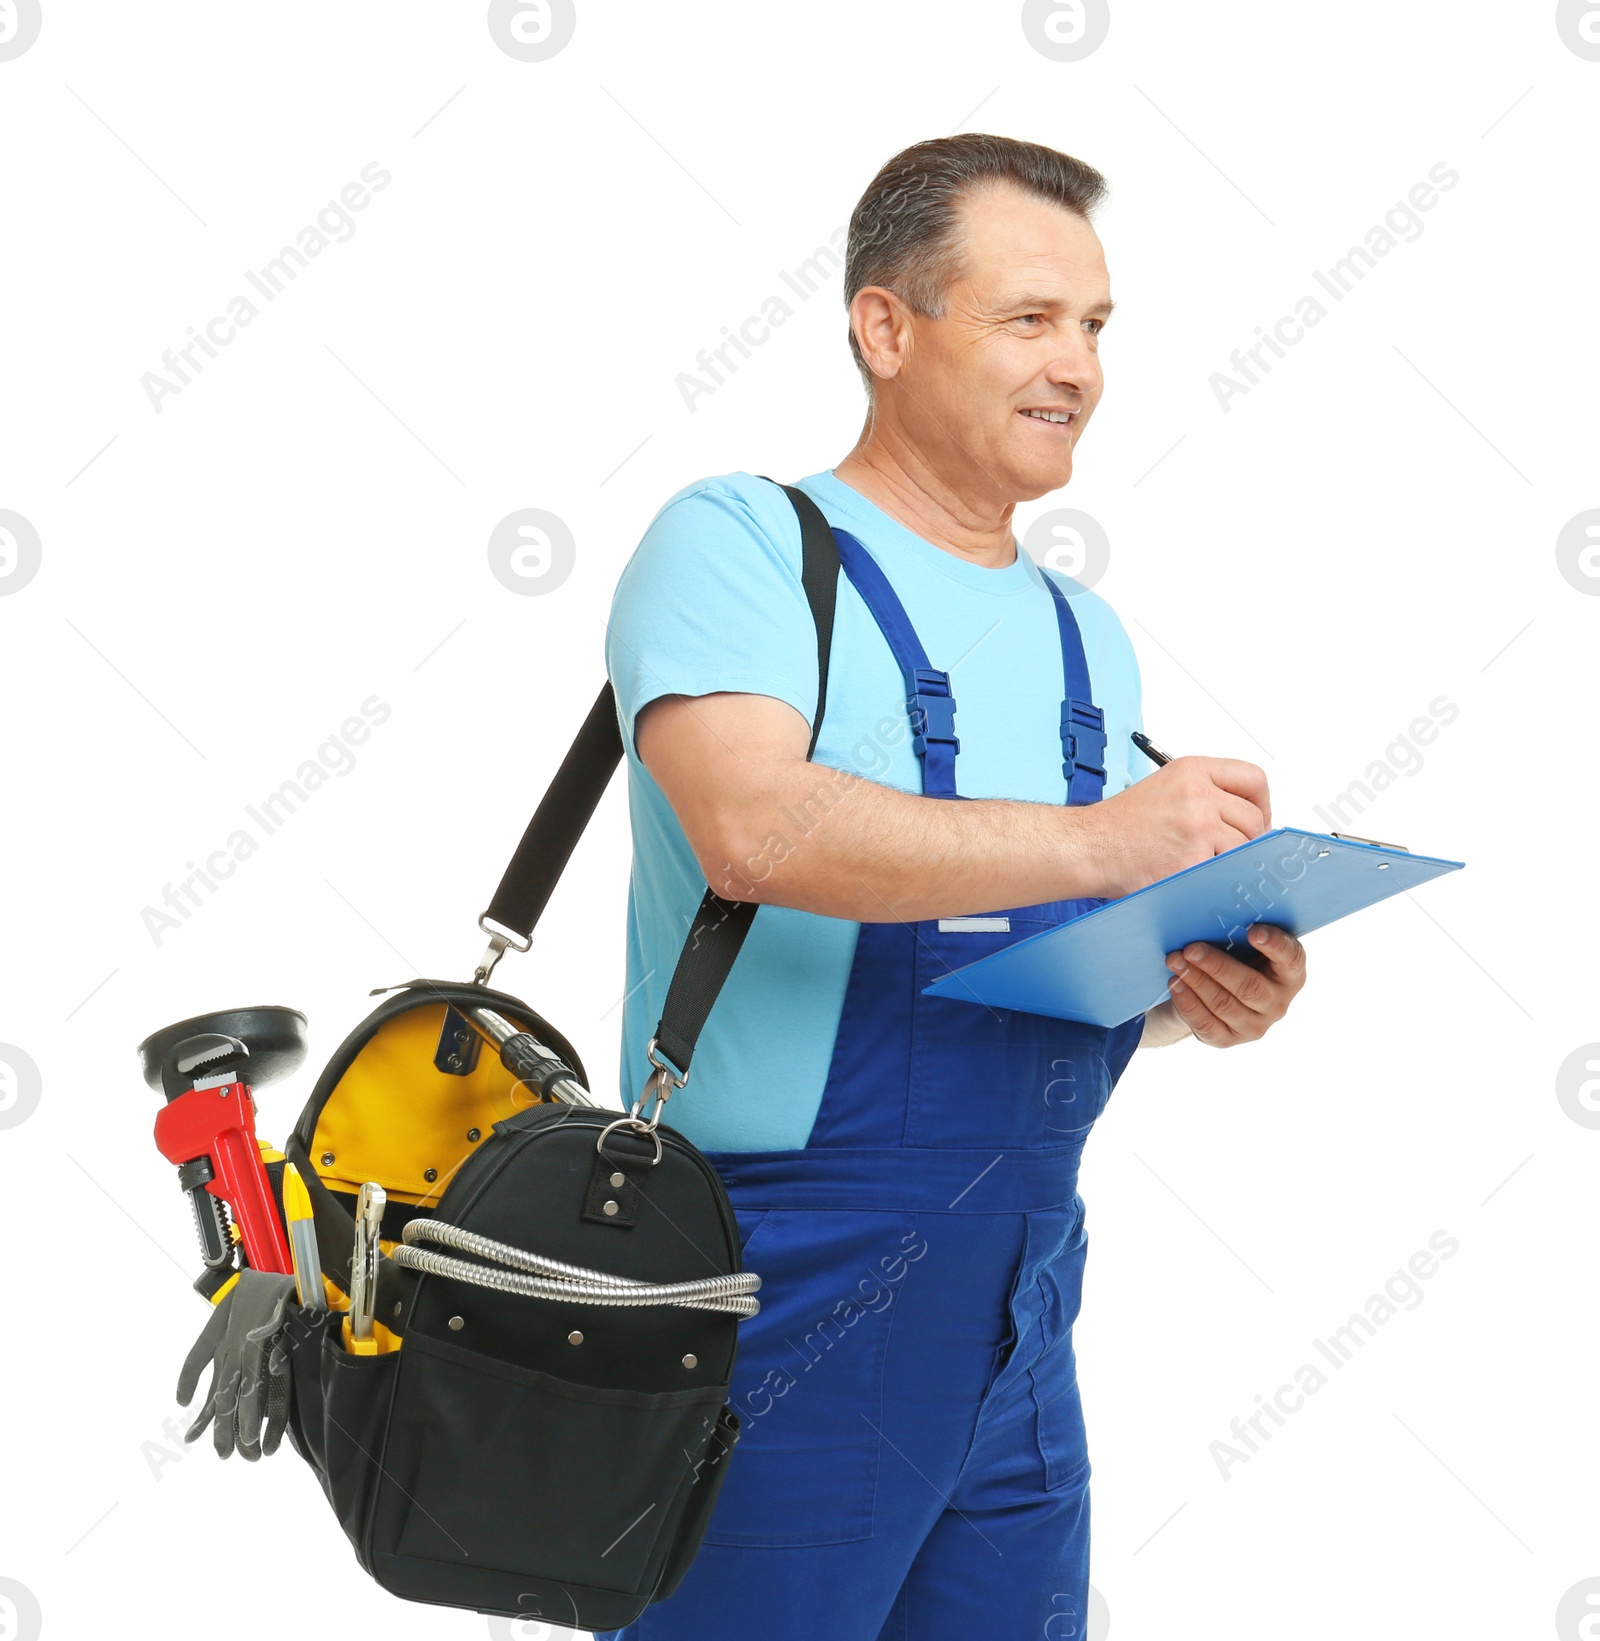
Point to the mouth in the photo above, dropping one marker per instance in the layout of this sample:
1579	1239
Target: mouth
1061	421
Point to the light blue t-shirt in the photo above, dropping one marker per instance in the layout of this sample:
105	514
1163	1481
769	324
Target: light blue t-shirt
712	600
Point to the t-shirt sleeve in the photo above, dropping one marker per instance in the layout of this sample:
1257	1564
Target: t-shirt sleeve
712	600
1138	765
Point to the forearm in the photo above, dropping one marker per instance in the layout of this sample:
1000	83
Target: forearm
1163	1026
823	840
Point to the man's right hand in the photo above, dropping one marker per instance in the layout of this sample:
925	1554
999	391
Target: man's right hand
1183	813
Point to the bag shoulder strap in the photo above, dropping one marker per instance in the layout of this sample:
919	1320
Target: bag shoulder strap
564	811
720	925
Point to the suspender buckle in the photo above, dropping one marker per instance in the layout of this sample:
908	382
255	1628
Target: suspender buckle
1083	738
932	709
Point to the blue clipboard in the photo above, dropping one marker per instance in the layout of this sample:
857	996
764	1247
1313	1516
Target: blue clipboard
1111	964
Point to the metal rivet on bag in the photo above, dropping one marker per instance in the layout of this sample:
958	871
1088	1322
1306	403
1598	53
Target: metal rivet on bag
608	1207
690	1360
430	1174
619	1179
457	1323
574	1338
474	1134
400	1305
327	1159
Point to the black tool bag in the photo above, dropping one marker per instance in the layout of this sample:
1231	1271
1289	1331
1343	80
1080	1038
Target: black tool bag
528	1444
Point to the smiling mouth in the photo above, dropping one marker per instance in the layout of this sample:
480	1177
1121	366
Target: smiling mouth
1063	419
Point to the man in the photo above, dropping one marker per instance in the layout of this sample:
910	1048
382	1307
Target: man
904	1168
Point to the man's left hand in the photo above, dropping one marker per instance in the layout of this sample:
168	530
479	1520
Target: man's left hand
1224	1001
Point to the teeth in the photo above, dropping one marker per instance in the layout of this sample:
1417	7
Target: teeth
1050	415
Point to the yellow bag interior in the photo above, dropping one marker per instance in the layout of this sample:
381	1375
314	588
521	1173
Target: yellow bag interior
393	1115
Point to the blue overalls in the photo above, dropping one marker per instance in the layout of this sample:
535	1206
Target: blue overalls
913	1463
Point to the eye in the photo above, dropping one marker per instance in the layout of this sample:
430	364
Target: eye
1099	325
1030	318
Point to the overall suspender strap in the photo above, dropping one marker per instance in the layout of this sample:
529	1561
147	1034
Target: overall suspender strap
1083	724
931	706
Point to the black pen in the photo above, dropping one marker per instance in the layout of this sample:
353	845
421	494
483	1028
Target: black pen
1149	748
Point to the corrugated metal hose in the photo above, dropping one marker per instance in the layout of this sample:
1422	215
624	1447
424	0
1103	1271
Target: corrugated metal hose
514	1270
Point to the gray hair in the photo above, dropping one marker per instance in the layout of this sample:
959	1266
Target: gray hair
905	232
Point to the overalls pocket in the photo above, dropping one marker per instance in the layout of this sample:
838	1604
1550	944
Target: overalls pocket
808	1381
1063	1444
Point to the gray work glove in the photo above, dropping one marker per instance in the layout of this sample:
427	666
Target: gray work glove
250	1367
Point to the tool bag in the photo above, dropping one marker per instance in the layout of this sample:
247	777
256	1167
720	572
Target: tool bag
536	1432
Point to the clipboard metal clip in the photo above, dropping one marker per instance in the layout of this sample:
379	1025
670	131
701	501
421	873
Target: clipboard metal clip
1350	837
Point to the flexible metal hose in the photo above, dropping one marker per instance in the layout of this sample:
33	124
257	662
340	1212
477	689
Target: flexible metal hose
502	1253
537	1277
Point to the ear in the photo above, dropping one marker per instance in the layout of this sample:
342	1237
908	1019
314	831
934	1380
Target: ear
882	326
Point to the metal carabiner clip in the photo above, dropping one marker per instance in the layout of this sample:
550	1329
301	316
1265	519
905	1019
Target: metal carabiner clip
500	940
655	1093
657	1089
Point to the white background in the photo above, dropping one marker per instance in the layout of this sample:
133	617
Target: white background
1371	527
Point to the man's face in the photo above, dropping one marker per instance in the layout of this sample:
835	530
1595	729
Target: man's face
1020	335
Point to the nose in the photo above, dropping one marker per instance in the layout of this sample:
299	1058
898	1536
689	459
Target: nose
1076	365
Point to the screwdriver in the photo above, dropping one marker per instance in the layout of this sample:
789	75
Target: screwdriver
303	1240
